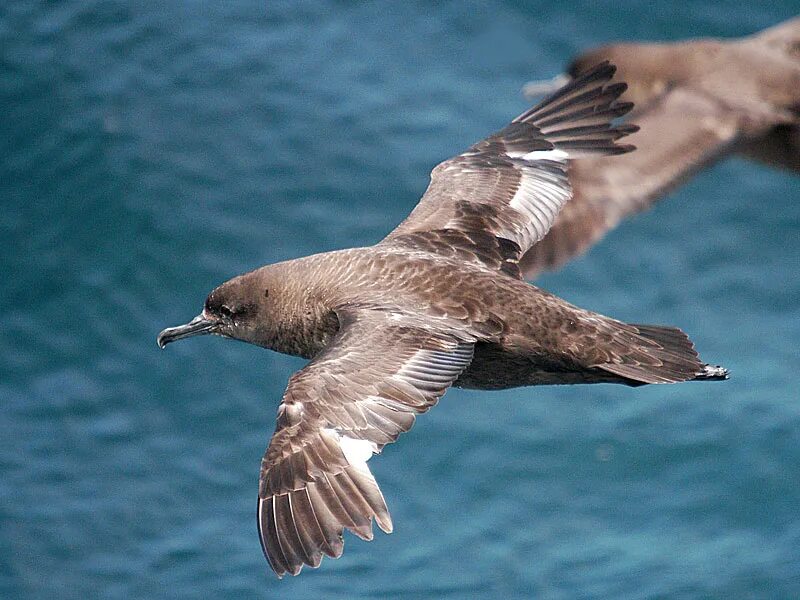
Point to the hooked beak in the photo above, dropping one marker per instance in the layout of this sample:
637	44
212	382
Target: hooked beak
197	326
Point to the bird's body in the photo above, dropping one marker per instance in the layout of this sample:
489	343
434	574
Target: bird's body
524	335
440	301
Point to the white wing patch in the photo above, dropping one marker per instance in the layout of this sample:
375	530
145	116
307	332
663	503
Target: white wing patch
356	451
554	154
539	198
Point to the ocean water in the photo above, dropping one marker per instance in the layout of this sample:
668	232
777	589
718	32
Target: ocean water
150	151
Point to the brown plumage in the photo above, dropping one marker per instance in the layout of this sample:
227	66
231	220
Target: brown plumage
696	101
439	302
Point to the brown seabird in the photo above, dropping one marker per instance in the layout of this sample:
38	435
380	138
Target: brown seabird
696	102
440	301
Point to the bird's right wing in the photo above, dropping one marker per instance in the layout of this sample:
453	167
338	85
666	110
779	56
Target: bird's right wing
357	395
679	133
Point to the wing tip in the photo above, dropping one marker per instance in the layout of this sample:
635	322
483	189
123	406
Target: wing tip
621	149
582	111
599	76
604	70
285	556
384	521
295	569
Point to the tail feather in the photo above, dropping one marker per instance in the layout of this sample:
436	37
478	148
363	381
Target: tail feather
666	356
713	373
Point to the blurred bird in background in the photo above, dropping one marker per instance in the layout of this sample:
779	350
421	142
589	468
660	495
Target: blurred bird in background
696	101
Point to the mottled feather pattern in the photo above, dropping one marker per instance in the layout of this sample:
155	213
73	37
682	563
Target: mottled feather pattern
366	387
466	246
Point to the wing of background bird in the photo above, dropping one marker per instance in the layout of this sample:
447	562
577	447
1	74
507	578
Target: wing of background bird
679	133
493	202
359	394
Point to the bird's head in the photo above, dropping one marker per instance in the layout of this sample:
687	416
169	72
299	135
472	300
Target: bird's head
239	308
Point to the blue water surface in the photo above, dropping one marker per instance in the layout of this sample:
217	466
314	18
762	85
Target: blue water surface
151	150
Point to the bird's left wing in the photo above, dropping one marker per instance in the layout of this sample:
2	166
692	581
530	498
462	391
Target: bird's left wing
493	202
680	133
357	395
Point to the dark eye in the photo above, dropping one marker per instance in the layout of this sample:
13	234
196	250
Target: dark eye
266	293
225	311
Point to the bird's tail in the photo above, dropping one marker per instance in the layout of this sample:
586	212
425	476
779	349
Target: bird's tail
667	356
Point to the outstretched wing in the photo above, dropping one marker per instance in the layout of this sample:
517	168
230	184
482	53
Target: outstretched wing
501	196
359	394
680	133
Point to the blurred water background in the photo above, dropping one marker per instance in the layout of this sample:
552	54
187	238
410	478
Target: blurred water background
150	151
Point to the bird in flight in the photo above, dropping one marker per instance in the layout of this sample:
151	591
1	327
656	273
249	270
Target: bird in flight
697	101
440	302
